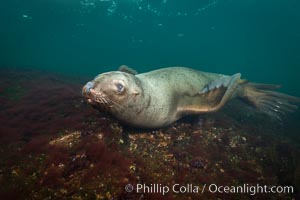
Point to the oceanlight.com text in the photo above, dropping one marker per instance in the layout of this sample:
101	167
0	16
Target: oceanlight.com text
211	188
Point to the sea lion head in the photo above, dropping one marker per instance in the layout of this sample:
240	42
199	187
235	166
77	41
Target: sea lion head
115	92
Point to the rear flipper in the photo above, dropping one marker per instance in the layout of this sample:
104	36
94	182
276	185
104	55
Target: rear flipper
268	101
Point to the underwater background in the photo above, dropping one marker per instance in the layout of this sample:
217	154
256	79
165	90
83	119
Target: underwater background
260	39
55	146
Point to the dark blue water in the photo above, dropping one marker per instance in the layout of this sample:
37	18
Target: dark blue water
260	39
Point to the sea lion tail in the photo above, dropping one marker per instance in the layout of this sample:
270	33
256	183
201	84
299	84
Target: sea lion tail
268	101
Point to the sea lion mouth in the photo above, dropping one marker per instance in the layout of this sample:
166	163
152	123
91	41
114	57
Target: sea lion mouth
94	97
98	97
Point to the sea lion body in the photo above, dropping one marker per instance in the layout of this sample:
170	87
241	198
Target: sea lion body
156	99
166	89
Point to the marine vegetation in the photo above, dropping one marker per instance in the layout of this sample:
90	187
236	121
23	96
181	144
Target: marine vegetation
53	145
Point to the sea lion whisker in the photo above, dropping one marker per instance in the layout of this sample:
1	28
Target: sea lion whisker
99	99
105	101
120	107
115	104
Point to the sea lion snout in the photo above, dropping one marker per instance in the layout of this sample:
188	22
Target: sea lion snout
86	90
93	96
88	87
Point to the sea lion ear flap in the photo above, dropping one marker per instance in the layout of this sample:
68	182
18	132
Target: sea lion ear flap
126	69
135	92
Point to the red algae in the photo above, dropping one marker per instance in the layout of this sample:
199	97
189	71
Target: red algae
53	145
57	155
52	177
96	151
37	145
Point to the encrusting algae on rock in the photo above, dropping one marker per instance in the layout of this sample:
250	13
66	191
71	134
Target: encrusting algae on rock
68	150
67	140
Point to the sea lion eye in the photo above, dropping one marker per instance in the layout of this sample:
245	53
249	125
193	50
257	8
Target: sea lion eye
120	87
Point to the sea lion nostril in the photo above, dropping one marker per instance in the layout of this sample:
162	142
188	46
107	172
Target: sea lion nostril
89	86
86	90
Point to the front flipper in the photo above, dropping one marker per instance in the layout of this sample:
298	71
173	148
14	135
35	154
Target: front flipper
211	98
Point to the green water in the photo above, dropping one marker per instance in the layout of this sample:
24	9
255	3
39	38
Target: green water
260	39
55	145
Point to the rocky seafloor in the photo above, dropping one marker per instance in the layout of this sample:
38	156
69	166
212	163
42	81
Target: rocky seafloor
53	145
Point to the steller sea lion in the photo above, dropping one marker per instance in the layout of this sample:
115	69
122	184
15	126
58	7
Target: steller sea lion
160	97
